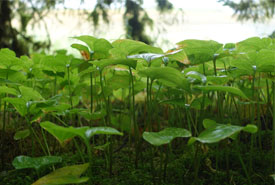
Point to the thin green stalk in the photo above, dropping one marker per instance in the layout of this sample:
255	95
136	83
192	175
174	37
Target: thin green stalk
252	116
133	104
91	92
152	165
70	91
136	131
108	118
196	165
161	164
104	98
4	127
45	141
258	114
90	154
243	165
273	116
168	151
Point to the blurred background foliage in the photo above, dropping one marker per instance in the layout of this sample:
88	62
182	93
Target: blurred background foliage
136	19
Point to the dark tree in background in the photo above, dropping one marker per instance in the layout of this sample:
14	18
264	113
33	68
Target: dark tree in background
256	10
33	12
15	37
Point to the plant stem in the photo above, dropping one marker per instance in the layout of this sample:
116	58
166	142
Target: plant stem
91	92
244	166
69	82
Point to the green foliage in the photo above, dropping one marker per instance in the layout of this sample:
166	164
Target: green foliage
143	93
65	175
165	136
23	162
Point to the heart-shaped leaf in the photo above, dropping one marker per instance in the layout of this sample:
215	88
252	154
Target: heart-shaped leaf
22	134
200	51
23	162
65	175
215	132
165	136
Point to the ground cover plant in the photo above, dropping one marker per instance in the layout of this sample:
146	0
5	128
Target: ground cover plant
130	113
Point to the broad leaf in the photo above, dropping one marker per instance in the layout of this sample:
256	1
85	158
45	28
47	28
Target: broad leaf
89	40
196	75
19	104
9	59
253	44
165	136
124	47
7	90
218	133
65	175
22	134
63	133
29	93
23	162
102	130
199	51
215	132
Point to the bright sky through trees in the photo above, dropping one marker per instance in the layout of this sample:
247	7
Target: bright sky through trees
202	19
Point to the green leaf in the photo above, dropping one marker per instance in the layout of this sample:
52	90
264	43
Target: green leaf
64	133
80	47
196	75
178	55
255	61
107	62
165	136
7	90
167	74
200	51
218	133
30	94
118	81
101	49
89	40
265	60
13	75
19	104
22	134
254	44
250	128
65	175
208	123
232	90
218	80
56	108
102	130
125	47
9	59
146	56
23	162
